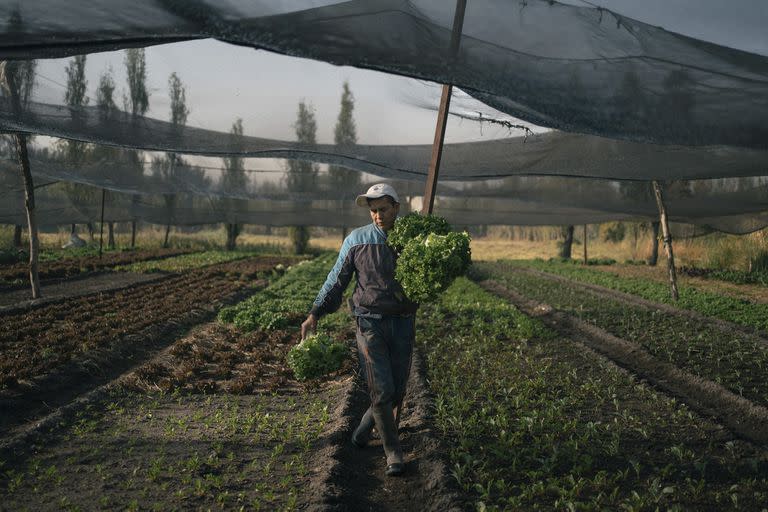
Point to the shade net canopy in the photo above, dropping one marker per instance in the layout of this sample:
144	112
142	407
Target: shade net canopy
550	93
581	67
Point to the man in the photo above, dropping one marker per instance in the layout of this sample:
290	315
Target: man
385	318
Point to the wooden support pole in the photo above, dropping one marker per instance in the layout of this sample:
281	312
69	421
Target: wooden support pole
101	226
585	244
9	80
442	116
667	239
29	204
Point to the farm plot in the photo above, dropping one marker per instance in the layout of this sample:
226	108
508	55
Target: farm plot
214	421
63	267
537	421
731	357
753	314
54	352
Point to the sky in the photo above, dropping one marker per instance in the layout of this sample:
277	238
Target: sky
224	82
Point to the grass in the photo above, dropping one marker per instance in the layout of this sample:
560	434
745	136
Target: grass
543	425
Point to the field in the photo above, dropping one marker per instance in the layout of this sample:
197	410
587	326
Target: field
151	380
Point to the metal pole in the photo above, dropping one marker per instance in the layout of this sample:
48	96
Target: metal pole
101	228
442	116
585	244
667	240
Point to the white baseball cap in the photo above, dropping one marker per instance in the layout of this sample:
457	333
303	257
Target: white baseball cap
375	192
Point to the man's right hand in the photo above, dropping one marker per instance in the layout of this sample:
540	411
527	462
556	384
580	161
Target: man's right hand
309	326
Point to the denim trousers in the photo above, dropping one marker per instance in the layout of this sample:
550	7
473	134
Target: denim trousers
384	347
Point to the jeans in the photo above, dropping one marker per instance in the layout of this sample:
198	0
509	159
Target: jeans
384	348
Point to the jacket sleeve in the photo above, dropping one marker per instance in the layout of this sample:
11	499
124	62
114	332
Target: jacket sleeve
331	294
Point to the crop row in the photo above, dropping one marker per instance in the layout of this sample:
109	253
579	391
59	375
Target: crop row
66	267
286	301
736	360
535	422
707	303
185	262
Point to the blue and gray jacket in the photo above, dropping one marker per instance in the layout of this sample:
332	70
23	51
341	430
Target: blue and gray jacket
365	252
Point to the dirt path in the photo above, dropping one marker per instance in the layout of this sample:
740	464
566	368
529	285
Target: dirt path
741	416
356	480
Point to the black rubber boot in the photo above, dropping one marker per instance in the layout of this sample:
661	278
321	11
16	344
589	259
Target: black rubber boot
362	433
385	423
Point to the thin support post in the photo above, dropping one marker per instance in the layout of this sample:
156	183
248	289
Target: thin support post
101	227
585	244
437	151
442	116
667	239
29	204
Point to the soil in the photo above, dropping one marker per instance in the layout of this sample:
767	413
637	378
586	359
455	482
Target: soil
743	417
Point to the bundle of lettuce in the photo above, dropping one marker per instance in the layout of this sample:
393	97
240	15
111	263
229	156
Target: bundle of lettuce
316	356
431	255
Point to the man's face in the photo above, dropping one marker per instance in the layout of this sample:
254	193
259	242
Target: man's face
383	212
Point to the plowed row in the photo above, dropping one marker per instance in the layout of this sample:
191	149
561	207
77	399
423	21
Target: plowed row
38	340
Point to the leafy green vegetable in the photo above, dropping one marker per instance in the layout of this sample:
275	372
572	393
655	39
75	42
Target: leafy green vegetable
429	264
431	255
316	356
413	225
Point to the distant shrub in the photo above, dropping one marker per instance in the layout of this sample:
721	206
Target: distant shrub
601	261
615	233
759	262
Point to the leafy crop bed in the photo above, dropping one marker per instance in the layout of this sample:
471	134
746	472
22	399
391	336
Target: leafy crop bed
184	262
538	422
715	305
732	358
175	451
216	421
18	273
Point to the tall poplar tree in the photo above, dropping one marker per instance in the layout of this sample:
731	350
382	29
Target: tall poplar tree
137	103
345	137
105	102
174	163
74	152
302	175
234	179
